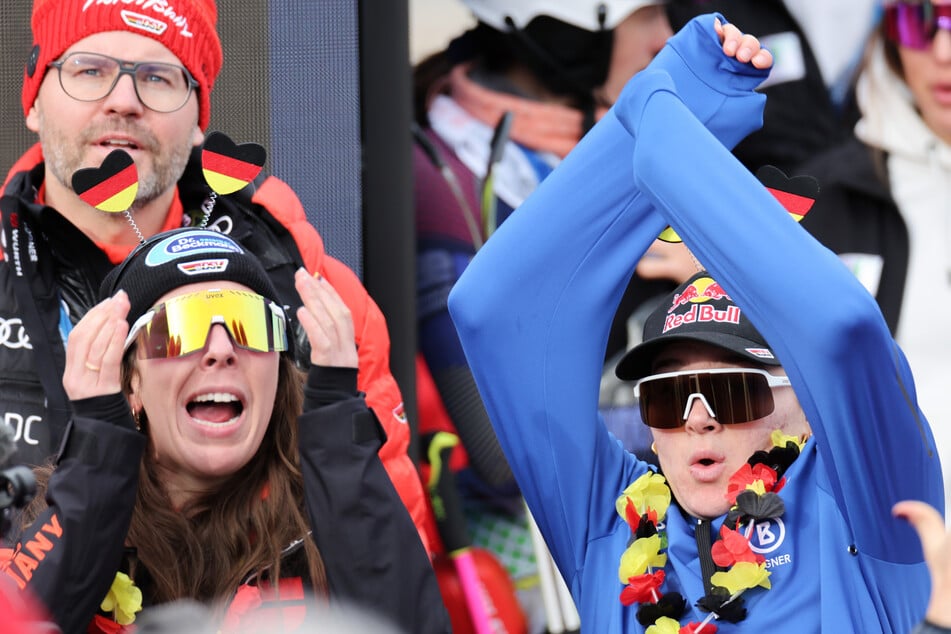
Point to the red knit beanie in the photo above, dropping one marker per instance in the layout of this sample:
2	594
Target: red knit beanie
185	27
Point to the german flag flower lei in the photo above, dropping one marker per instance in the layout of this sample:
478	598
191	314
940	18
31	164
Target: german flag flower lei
753	492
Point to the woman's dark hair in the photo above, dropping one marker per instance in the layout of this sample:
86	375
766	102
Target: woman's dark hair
207	549
892	58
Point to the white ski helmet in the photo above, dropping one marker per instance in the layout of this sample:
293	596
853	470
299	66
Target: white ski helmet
591	16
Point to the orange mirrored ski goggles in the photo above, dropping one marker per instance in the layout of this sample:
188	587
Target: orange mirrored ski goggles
181	325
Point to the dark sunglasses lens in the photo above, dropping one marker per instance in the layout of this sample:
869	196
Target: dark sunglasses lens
738	397
660	401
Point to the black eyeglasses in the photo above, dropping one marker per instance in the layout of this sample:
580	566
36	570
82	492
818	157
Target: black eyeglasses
731	395
159	86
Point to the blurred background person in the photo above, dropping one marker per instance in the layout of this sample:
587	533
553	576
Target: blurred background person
885	197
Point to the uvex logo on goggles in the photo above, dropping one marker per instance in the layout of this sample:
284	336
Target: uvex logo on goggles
181	325
914	24
730	395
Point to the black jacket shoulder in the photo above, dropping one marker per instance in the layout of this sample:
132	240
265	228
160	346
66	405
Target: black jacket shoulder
855	214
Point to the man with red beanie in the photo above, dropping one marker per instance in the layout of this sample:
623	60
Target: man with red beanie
57	248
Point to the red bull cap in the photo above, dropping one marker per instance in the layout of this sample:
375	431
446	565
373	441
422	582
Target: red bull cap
698	310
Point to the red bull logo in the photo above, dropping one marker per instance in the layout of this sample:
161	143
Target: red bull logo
703	313
701	290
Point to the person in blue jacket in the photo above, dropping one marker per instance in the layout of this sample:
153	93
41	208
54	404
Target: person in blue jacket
779	461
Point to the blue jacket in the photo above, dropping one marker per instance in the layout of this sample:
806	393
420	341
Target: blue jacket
533	312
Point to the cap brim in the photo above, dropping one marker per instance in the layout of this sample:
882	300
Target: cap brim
637	362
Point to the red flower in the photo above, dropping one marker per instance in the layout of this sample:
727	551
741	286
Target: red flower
643	588
779	486
746	476
696	628
246	599
104	625
731	548
634	520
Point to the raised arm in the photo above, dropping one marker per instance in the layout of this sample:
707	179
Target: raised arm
68	556
534	307
368	542
851	379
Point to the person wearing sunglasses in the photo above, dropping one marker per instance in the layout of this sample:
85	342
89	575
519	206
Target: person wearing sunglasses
884	201
139	77
783	412
199	464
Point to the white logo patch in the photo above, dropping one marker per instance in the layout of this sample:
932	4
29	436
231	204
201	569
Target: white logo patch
768	535
13	334
143	22
149	23
22	427
202	267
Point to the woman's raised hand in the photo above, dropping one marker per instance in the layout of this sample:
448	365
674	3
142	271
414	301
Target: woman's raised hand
327	321
95	348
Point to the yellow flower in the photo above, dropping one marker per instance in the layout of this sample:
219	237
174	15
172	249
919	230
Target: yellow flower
648	491
780	439
123	599
756	486
639	555
742	576
663	625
